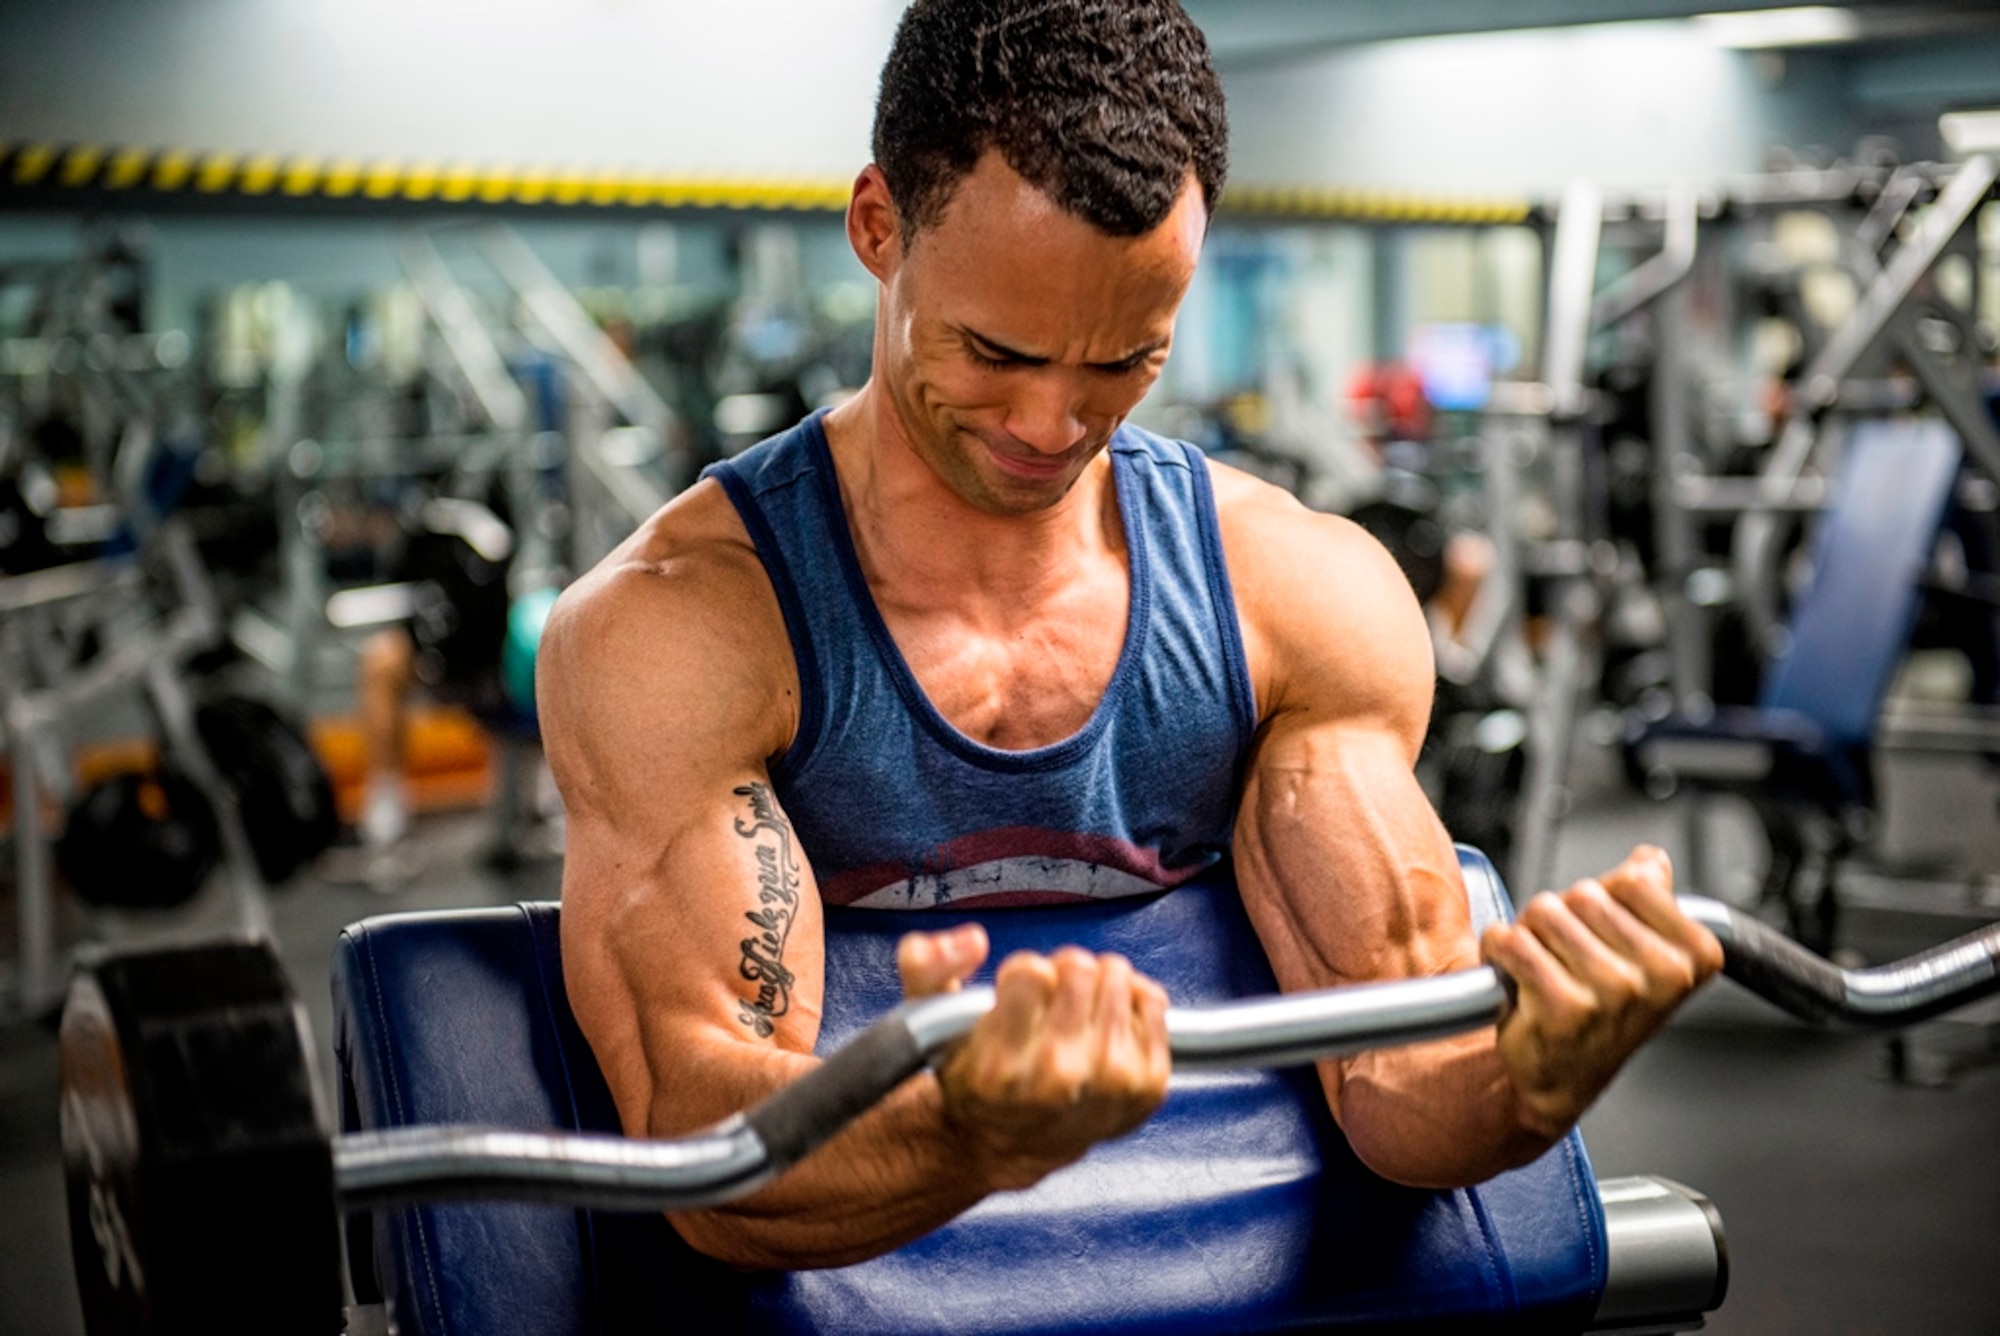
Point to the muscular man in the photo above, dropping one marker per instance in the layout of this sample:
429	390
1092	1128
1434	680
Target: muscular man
972	638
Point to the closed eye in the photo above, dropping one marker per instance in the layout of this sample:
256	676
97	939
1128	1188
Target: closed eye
991	356
1003	363
1127	366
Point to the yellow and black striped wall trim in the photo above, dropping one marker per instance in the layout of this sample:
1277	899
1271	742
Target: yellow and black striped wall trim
1348	204
69	175
55	173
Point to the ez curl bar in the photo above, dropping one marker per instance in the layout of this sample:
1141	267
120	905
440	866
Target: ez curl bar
187	1093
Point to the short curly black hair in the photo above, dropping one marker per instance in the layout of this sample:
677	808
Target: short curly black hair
1105	105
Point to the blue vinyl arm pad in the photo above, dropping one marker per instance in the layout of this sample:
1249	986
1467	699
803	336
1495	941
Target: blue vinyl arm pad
1238	1207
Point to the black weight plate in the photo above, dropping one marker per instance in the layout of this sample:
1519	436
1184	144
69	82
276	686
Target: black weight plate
281	787
201	1193
139	841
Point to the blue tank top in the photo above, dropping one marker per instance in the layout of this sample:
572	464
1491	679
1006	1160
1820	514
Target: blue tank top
897	809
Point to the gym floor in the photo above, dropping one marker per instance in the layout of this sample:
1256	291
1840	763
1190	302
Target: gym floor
1855	1204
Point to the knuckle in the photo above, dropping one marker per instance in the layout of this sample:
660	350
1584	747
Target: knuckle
1562	1021
1067	1078
1584	888
985	1076
1613	991
1073	957
1116	973
1026	969
1023	962
1683	974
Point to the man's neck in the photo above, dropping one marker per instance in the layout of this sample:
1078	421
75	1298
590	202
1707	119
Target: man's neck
914	533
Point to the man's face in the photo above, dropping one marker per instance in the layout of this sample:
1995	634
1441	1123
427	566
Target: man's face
1017	337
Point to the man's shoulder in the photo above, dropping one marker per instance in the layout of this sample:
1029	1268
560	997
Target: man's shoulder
1324	608
682	605
692	554
776	462
1269	534
1280	552
1258	520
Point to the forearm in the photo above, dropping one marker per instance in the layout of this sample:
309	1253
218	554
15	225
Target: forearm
1349	878
893	1175
1436	1115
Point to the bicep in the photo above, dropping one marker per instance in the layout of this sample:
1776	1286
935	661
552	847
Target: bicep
691	927
1346	872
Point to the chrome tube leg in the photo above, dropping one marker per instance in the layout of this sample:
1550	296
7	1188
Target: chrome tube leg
1551	734
1694	844
248	896
36	907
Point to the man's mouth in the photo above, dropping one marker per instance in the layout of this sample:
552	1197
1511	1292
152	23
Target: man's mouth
1036	468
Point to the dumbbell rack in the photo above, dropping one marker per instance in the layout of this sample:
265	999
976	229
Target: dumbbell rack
45	682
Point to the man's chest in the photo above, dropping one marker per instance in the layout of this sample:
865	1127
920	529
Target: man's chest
1016	681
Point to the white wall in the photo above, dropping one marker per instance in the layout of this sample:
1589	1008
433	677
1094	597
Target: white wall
779	87
1633	104
786	87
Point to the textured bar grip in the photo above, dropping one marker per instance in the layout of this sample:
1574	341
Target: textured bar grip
1780	971
792	1122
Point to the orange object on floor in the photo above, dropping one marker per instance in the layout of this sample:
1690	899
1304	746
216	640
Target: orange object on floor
447	760
448	764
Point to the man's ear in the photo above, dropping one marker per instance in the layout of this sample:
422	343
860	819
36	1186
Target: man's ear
874	228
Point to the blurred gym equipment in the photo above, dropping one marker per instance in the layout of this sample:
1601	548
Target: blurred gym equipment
71	638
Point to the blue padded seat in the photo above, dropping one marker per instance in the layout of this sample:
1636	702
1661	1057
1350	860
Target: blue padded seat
1802	753
1238	1207
1816	714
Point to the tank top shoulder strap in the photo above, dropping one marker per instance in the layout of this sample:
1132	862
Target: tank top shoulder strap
779	487
1190	594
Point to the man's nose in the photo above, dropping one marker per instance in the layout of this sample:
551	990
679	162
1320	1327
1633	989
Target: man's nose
1046	413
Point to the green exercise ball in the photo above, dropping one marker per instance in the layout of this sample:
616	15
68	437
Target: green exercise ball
525	619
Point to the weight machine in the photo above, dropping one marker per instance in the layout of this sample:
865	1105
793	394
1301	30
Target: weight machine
72	638
1906	222
1548	436
107	600
560	433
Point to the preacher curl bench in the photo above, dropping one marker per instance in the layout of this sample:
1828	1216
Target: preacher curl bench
1238	1207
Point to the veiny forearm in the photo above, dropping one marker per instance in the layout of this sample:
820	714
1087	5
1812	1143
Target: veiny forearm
896	1173
1436	1115
1349	878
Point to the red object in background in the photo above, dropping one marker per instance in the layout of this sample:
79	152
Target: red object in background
1387	399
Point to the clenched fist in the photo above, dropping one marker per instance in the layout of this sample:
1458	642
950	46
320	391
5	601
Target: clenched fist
1074	1052
1600	967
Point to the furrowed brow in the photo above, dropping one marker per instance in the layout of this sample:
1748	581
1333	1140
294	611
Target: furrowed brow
992	347
988	346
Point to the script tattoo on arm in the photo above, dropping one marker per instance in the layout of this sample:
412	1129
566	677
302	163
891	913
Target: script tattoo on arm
763	961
